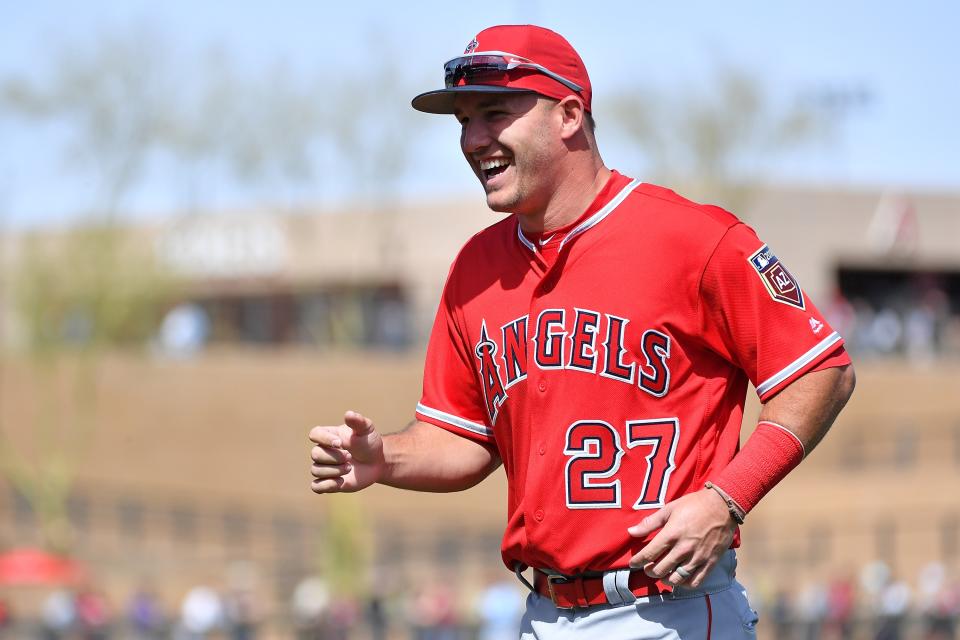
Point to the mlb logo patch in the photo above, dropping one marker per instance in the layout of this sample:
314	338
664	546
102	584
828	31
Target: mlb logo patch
778	281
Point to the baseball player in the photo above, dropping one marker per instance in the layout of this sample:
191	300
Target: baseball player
598	342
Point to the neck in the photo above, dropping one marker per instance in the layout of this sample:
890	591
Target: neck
574	192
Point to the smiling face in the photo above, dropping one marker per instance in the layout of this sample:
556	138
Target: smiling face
511	141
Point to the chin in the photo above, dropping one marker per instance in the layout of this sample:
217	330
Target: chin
501	202
499	207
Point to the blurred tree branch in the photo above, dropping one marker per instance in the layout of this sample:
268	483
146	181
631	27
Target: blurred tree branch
114	101
714	144
78	295
127	107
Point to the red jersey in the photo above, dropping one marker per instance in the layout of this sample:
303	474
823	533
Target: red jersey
610	373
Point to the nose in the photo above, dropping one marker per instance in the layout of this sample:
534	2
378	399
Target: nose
474	136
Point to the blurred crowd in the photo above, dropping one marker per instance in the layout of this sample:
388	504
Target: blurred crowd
914	321
872	604
315	611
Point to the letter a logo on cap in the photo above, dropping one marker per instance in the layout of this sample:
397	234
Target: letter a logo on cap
471	47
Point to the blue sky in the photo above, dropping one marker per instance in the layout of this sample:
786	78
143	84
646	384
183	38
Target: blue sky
904	54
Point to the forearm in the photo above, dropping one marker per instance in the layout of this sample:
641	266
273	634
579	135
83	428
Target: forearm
424	457
809	406
791	424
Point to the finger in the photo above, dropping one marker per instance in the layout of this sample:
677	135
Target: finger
667	565
651	523
654	550
326	437
676	577
361	425
651	554
329	455
326	486
322	471
701	573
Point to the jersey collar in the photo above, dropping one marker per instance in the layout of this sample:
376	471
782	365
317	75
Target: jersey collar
589	222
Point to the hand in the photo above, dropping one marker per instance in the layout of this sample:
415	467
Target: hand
696	530
348	457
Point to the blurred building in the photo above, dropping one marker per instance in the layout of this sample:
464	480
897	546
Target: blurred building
196	462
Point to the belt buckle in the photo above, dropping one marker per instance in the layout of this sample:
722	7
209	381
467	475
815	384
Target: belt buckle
554	578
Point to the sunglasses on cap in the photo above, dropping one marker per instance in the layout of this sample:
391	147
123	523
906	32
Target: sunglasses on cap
489	66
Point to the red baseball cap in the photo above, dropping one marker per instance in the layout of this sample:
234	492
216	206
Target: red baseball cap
511	58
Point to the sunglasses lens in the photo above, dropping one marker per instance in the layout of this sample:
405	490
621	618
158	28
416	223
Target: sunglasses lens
474	70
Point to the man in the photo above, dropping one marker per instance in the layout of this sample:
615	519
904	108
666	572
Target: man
598	343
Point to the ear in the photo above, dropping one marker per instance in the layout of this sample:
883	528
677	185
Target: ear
572	114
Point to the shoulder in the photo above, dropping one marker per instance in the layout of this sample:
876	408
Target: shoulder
665	222
671	207
484	256
499	236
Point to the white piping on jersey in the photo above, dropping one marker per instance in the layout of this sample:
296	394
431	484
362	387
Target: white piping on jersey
798	364
603	213
524	240
456	421
590	222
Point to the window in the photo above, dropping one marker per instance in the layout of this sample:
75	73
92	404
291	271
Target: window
449	549
78	511
130	515
885	536
950	538
896	312
366	316
236	528
22	509
184	523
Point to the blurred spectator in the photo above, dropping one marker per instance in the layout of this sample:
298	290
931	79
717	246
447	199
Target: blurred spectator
781	615
913	319
311	598
242	608
841	606
184	331
941	619
500	608
342	617
241	613
873	578
939	603
93	614
59	614
434	615
920	333
894	603
841	314
6	618
885	331
811	610
200	614
376	616
145	616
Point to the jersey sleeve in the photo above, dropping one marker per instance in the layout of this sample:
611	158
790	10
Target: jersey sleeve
451	396
754	313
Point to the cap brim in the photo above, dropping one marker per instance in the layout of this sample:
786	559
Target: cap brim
441	100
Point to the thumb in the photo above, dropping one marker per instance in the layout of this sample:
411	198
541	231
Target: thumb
358	423
651	523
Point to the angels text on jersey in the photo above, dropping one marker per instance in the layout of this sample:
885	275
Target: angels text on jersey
562	339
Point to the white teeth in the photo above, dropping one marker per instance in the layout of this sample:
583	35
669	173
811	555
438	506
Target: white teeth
486	165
